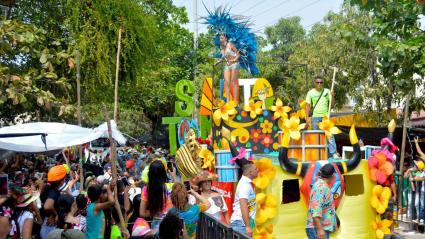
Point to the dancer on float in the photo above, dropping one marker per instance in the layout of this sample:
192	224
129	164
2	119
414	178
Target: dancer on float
230	57
236	47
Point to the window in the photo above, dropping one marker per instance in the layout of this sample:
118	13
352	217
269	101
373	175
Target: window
354	184
290	191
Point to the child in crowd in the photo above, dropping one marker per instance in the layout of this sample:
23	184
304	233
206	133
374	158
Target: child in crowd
95	217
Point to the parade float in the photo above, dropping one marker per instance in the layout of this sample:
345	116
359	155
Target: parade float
263	129
287	157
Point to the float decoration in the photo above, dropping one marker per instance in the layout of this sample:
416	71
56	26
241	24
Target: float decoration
266	207
380	198
208	159
382	227
224	111
302	112
265	232
254	108
329	127
266	172
280	110
293	127
187	156
379	168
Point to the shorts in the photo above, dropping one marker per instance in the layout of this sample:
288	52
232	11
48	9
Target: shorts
232	66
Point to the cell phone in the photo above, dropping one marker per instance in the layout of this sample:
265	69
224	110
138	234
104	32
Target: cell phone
125	181
170	166
187	185
4	185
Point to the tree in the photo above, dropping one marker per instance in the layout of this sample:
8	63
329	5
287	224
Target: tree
398	40
156	53
33	71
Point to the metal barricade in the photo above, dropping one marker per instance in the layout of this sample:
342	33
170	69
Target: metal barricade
211	228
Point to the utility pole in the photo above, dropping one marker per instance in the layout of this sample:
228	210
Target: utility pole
80	147
195	114
117	69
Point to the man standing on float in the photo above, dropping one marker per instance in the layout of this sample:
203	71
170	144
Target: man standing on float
317	107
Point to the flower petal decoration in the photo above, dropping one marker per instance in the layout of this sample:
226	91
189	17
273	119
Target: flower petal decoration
265	232
382	227
266	207
380	168
208	159
380	197
266	172
329	127
301	112
266	126
293	127
254	108
280	110
241	155
224	111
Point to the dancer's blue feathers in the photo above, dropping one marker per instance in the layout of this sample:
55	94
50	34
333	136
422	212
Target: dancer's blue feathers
238	32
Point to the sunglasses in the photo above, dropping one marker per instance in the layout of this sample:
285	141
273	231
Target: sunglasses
319	82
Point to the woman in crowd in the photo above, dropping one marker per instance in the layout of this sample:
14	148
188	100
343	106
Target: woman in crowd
156	195
81	202
66	214
26	213
189	213
218	208
49	198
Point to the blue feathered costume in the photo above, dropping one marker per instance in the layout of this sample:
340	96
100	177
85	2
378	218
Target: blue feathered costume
238	32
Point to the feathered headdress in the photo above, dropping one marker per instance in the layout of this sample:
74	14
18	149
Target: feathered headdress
238	32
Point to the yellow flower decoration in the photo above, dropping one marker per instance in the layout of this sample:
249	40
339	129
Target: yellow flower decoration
264	232
224	111
266	207
254	108
293	127
280	110
380	197
209	160
267	127
266	172
301	112
381	227
329	127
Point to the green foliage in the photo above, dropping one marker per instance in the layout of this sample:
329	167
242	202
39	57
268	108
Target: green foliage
156	52
399	43
33	71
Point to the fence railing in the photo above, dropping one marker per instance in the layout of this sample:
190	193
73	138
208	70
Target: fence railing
211	228
412	205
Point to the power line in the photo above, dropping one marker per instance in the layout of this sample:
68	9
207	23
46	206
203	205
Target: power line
255	5
278	5
237	3
289	14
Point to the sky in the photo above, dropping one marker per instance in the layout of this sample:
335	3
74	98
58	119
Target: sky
264	13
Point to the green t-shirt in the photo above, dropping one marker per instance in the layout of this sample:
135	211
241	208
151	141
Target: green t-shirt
323	105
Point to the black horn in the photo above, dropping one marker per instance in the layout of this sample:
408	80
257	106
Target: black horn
291	165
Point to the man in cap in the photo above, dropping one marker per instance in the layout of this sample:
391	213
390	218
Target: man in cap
321	217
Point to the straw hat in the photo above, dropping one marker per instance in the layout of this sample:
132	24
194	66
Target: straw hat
26	199
204	176
420	165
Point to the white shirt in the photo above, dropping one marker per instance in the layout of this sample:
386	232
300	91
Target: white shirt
218	205
22	218
244	190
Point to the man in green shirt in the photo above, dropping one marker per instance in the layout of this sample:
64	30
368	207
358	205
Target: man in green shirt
317	100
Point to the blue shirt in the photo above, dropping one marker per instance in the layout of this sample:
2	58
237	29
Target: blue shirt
95	228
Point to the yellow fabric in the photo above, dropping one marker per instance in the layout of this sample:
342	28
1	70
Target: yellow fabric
368	120
355	212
